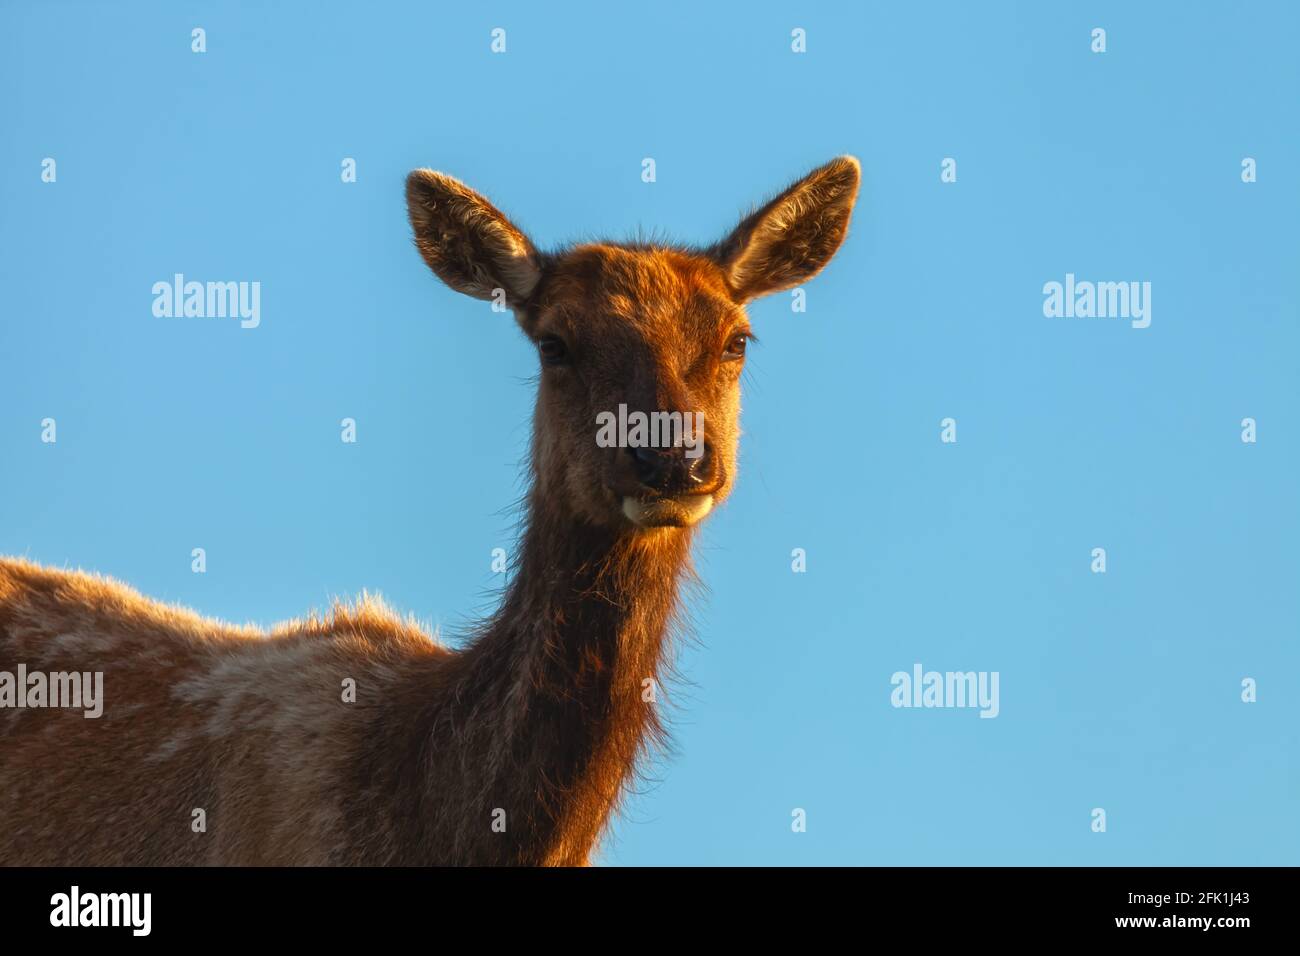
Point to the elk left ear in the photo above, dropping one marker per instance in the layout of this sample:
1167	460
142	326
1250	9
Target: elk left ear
792	238
467	241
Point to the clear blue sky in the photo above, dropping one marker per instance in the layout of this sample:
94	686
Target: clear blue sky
1120	691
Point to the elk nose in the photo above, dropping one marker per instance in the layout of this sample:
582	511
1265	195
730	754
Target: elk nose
671	469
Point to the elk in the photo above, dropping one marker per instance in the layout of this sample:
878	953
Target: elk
514	750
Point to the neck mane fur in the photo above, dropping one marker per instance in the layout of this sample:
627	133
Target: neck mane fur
544	714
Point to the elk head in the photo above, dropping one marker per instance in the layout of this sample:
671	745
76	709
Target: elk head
628	333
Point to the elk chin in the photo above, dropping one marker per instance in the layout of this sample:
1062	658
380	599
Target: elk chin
679	512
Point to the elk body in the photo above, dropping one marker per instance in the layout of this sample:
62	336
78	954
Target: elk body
514	750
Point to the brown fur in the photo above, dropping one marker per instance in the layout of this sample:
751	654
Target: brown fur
543	715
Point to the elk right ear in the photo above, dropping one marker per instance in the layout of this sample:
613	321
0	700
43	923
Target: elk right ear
467	241
792	238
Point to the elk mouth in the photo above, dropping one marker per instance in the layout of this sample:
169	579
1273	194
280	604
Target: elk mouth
667	511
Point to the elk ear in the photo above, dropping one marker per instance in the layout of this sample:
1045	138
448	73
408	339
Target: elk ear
790	239
467	241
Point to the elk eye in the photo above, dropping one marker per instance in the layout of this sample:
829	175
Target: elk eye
552	350
736	347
